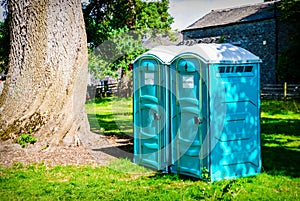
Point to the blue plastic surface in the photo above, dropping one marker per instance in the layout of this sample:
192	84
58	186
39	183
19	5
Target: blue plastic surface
188	122
149	113
197	111
236	140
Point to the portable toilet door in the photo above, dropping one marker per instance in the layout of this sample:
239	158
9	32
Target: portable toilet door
188	114
150	107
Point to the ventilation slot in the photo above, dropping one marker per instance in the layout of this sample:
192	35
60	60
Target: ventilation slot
248	69
235	69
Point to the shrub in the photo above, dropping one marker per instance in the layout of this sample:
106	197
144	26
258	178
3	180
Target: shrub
24	139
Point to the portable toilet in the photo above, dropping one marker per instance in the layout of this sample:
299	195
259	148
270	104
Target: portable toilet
151	107
215	112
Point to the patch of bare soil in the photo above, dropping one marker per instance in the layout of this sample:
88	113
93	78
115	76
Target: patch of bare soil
11	153
94	149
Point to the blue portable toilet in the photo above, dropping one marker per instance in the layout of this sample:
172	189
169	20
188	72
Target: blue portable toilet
151	107
215	112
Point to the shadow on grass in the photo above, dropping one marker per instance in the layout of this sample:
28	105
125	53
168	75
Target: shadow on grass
109	126
106	125
281	146
173	177
281	161
121	151
102	101
280	126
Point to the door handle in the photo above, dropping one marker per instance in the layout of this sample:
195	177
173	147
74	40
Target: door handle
156	116
197	120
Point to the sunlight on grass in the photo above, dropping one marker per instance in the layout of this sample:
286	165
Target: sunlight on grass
127	167
123	180
280	140
288	115
280	135
110	182
279	180
110	116
273	107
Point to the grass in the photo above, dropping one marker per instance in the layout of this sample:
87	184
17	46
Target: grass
111	116
280	134
123	180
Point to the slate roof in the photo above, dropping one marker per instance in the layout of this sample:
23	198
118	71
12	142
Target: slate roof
162	40
235	15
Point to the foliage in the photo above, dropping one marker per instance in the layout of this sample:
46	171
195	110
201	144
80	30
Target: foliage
116	53
115	30
288	63
99	67
222	39
117	27
104	17
153	15
205	174
24	139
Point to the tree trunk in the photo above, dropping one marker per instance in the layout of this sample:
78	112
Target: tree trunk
47	79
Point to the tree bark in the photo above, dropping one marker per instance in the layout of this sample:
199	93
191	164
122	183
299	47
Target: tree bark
47	79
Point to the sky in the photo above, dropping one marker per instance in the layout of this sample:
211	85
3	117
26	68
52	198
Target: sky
186	12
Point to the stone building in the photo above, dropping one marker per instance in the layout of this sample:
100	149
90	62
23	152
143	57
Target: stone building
256	28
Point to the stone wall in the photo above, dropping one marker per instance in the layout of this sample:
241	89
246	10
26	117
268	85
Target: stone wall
258	37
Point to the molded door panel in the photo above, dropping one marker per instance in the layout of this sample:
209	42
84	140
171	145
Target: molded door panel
187	117
149	104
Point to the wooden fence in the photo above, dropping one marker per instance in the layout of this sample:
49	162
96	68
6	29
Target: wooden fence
268	91
280	91
103	90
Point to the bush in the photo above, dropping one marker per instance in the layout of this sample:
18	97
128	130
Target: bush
24	139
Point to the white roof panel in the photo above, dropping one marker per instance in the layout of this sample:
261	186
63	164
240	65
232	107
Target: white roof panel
222	53
209	53
164	53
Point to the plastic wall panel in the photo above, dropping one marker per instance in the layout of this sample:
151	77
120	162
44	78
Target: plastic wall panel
236	141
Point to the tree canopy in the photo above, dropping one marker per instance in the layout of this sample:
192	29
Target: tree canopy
115	30
116	26
288	63
104	17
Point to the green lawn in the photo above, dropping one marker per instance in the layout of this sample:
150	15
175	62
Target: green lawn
280	134
111	116
123	180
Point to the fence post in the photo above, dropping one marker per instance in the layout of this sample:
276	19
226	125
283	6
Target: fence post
285	90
